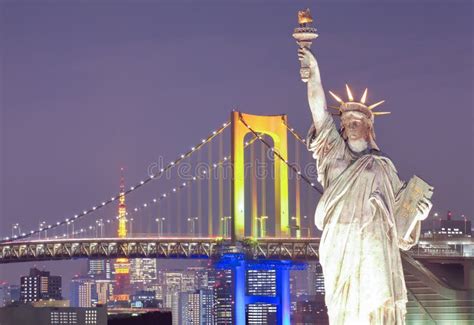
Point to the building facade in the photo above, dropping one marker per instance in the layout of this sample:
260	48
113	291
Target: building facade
28	314
40	285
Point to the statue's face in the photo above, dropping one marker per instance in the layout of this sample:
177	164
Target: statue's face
356	128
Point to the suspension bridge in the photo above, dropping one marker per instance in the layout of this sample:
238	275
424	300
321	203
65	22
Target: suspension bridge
214	206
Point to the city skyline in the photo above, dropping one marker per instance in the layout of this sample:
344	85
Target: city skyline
90	88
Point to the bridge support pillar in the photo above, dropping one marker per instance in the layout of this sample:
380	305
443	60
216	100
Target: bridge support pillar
469	274
278	299
273	126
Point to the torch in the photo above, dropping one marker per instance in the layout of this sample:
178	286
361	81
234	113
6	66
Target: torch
304	36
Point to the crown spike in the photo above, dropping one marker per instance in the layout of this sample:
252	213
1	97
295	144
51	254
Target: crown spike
381	113
336	97
364	96
376	104
349	94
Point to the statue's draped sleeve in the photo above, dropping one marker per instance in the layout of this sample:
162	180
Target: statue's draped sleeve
326	145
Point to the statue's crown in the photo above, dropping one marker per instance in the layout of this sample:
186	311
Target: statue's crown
356	106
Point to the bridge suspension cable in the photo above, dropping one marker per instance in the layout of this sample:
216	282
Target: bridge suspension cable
195	178
116	197
276	153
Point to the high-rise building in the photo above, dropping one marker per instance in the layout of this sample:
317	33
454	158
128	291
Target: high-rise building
206	303
319	280
40	285
99	269
315	279
189	303
172	282
188	281
83	292
201	275
157	289
142	270
311	311
4	294
174	302
261	282
15	292
261	314
221	282
104	289
172	287
195	307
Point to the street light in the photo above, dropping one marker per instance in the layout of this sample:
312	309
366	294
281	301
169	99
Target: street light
160	222
297	227
193	224
16	226
42	225
131	227
225	225
263	220
465	224
67	228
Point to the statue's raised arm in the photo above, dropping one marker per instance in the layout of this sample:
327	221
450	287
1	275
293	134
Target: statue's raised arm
316	97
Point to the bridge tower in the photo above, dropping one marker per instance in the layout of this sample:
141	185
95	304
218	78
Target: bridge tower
273	126
122	265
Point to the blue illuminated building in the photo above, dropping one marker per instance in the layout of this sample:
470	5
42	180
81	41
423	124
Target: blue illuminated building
261	289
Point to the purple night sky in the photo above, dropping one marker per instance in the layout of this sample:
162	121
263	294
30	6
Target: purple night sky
87	87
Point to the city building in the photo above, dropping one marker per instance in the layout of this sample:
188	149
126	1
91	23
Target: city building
221	282
261	282
188	281
176	282
189	308
174	302
157	288
99	269
145	299
83	292
51	303
206	303
104	289
201	275
312	311
15	292
455	228
260	314
16	314
318	278
40	285
4	294
142	271
449	228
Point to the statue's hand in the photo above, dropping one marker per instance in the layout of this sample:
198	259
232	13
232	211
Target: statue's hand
424	206
306	57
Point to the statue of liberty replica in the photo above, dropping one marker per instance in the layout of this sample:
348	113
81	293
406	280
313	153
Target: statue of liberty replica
366	214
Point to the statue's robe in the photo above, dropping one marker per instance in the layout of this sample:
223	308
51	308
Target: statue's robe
359	248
